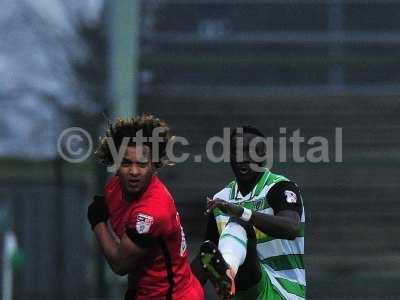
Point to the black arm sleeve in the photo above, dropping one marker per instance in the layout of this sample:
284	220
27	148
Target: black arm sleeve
212	233
142	240
285	195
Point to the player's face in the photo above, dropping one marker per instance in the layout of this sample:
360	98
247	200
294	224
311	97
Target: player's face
246	170
136	170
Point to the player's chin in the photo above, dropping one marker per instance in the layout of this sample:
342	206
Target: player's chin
134	190
244	176
250	177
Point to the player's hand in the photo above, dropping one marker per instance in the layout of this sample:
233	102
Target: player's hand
226	207
97	211
230	291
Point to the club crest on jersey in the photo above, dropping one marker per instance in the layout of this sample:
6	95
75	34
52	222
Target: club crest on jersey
143	223
290	197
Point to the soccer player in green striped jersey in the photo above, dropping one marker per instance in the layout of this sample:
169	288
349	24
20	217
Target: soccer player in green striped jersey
257	221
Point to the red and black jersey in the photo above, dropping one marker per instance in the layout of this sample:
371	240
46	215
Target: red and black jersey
152	222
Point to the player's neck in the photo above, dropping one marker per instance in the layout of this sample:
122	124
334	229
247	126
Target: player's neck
246	187
131	197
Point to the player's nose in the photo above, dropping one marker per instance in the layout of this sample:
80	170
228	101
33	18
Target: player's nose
133	170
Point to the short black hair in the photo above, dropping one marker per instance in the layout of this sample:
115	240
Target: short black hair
250	130
247	129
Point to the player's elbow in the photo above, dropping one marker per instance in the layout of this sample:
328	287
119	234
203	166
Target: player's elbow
293	231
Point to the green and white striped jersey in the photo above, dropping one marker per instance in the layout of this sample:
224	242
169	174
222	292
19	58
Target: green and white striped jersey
281	259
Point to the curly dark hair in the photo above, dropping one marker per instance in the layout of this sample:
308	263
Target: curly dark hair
122	128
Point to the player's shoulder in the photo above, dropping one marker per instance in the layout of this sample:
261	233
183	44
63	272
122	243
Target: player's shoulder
158	195
279	182
150	218
284	189
157	201
157	189
225	192
286	185
274	178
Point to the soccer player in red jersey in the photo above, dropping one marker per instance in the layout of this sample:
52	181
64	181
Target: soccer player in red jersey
143	237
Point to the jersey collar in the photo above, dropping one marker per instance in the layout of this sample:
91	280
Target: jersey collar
236	195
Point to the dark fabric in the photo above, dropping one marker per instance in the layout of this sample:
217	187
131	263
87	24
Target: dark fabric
97	211
277	198
130	295
168	265
212	233
142	240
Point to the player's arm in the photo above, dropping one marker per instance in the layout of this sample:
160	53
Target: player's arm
212	235
120	256
123	256
285	200
284	224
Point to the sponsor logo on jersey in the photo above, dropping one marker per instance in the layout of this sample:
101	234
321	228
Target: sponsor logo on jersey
290	197
259	203
143	223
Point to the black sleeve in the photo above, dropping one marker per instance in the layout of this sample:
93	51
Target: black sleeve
285	195
142	240
212	233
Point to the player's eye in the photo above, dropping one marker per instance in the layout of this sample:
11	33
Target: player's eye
142	164
125	163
